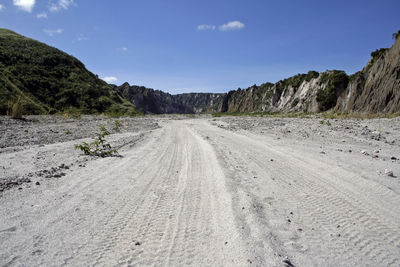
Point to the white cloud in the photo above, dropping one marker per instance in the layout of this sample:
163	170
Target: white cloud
110	79
231	26
1	7
60	4
205	27
42	15
53	32
25	5
124	49
81	37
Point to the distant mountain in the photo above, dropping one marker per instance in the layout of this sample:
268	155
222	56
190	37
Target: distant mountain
157	102
45	80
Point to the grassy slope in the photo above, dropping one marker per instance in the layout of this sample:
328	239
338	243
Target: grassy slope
46	80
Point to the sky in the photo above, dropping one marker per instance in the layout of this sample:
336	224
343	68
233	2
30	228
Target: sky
181	46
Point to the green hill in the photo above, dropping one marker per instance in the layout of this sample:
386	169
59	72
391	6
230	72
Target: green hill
45	80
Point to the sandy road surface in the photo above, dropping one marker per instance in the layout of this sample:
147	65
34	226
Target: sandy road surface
193	193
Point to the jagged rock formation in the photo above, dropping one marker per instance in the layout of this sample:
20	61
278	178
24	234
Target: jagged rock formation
43	80
158	102
374	89
377	87
309	92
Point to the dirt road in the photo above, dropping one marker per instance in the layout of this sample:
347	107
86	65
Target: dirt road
194	193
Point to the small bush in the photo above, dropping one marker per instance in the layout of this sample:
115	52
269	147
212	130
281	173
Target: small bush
99	147
117	126
17	110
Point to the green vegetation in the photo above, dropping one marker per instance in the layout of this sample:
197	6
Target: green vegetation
358	115
377	54
326	122
45	80
336	81
396	35
263	114
297	80
99	147
16	112
117	126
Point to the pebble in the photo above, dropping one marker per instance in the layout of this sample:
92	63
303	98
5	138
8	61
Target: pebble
389	172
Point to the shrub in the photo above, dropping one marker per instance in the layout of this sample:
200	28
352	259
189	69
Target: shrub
336	82
99	147
117	126
17	110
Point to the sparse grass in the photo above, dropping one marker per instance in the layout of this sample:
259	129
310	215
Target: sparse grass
99	147
326	122
358	115
117	126
68	132
17	110
264	114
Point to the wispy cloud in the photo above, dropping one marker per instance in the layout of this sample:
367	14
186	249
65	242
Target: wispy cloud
206	27
110	79
60	5
81	37
1	7
53	32
42	15
25	5
229	26
232	25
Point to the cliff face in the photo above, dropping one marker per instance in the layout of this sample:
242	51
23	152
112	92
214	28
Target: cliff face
377	87
374	89
158	102
309	92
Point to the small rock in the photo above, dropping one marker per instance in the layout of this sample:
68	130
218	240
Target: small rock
137	243
364	152
288	263
376	151
389	172
350	150
37	183
322	152
375	156
393	158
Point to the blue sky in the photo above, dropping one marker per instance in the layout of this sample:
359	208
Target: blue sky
207	46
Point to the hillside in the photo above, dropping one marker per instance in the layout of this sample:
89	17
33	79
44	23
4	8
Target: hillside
375	89
43	80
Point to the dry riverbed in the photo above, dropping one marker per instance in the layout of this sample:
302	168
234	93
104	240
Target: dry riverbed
229	191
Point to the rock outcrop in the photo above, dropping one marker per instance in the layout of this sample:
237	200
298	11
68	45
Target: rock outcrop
377	87
158	102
